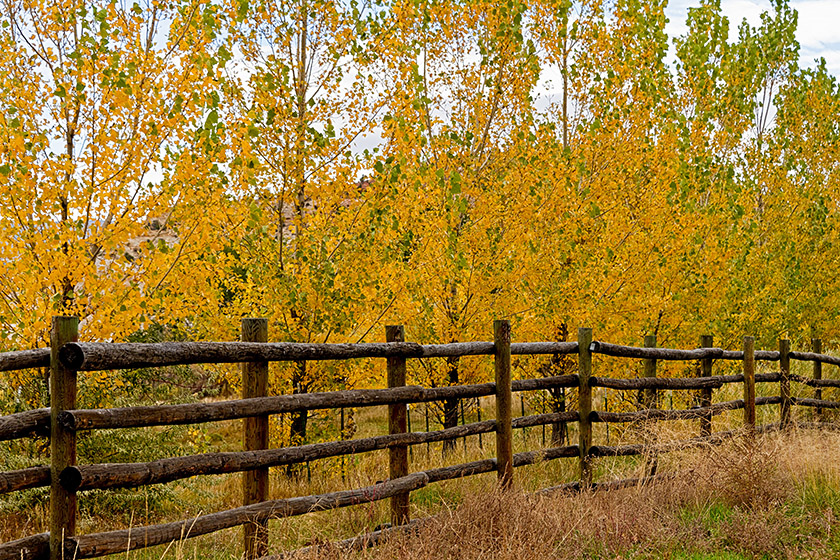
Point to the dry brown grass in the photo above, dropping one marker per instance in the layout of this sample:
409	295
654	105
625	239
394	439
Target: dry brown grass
776	497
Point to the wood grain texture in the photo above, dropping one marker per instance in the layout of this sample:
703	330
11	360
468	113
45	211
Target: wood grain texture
25	359
815	403
255	438
815	357
816	382
706	341
585	405
23	424
749	384
92	356
687	414
62	441
35	547
504	403
397	424
33	477
653	383
620	351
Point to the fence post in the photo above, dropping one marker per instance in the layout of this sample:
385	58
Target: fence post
706	341
504	403
397	424
62	441
816	348
650	401
749	384
585	405
255	436
784	382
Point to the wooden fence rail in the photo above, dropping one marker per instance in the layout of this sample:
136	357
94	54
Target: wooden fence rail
96	356
25	359
194	413
61	422
23	424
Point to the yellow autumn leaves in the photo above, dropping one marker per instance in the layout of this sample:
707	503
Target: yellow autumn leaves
184	163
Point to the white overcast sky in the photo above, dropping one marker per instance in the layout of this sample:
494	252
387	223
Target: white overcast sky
818	31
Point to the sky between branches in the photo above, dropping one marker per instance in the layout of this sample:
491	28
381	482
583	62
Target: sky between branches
818	32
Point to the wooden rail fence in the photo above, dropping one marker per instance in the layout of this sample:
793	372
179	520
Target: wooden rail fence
63	421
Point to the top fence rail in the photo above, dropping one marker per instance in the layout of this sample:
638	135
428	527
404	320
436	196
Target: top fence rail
620	351
25	359
95	356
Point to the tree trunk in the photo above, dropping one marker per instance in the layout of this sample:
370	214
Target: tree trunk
559	433
297	428
450	406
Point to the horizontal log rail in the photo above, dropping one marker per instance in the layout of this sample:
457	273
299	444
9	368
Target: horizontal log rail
27	359
544	419
32	477
133	475
121	541
194	413
619	351
543	348
813	357
686	414
95	356
35	547
816	382
113	542
658	414
656	383
678	383
540	383
819	403
23	424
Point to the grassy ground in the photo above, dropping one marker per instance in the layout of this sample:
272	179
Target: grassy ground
778	498
774	500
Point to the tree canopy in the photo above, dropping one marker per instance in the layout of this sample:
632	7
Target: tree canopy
338	166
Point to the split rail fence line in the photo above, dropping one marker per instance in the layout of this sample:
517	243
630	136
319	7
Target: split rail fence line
62	421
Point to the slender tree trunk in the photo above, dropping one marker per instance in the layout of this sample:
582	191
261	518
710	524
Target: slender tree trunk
297	427
558	404
450	406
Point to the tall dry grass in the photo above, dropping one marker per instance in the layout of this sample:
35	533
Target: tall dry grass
777	496
775	499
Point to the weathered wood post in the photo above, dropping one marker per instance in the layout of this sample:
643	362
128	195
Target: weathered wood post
650	402
706	341
255	437
397	424
62	441
784	382
504	403
816	348
749	384
585	405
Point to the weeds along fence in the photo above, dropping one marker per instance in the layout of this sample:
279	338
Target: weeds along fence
62	421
